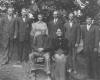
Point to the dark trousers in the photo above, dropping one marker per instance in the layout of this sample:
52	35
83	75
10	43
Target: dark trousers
92	62
23	50
10	48
21	46
72	53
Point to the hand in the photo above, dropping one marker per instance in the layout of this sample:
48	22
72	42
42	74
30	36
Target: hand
40	49
76	45
95	49
15	37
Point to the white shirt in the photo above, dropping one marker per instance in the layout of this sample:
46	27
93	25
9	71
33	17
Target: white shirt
88	27
24	19
9	17
55	20
70	23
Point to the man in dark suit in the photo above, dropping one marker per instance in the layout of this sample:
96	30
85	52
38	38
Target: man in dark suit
72	33
90	35
23	37
8	34
54	24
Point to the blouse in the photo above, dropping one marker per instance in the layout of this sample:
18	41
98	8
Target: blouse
38	28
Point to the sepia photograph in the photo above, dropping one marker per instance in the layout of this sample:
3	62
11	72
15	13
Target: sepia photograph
49	40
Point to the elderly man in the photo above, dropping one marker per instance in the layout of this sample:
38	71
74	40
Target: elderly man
54	24
23	36
8	33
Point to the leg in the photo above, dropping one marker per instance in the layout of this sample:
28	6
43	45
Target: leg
10	49
47	58
20	50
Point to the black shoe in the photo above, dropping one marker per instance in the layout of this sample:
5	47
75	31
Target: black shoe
7	62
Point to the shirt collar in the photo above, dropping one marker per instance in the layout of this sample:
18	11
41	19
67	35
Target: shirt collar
40	22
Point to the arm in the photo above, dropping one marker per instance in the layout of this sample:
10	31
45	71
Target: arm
32	33
96	36
16	24
45	25
78	33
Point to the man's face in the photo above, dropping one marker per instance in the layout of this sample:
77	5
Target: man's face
40	17
89	20
23	12
55	14
10	11
75	13
71	16
59	32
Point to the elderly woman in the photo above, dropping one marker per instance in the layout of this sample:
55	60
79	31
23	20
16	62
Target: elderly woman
60	48
40	40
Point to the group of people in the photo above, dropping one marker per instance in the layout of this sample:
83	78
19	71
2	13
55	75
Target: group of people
57	38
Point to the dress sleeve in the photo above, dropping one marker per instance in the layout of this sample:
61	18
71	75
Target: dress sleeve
45	25
33	30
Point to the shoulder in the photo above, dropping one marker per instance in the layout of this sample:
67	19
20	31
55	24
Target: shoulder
66	23
83	26
44	23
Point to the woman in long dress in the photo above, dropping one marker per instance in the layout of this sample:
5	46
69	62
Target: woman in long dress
60	70
60	48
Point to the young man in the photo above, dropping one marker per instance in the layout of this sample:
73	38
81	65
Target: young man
90	36
73	34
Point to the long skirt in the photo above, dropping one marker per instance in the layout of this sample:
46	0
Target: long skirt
60	70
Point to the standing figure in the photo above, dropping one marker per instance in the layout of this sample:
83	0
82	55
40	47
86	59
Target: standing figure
60	49
90	36
39	27
23	36
8	34
72	33
54	24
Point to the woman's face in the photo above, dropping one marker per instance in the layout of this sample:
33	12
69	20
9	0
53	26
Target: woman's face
40	17
59	32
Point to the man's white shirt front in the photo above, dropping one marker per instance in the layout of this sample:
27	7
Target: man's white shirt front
88	27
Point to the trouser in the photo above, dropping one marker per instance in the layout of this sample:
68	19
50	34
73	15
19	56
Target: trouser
23	50
10	49
21	47
73	55
92	62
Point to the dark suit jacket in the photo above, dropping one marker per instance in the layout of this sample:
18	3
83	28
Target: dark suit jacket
91	37
73	34
22	29
7	30
52	27
41	41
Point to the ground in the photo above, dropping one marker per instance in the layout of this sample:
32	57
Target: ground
20	72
